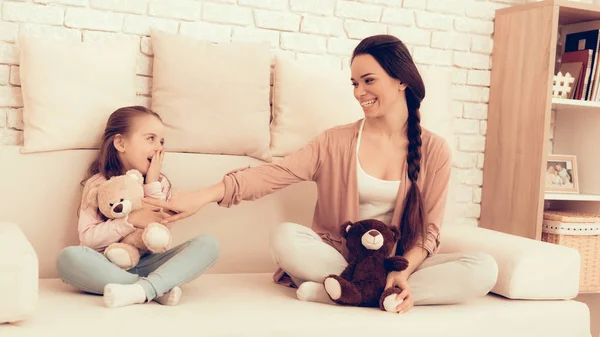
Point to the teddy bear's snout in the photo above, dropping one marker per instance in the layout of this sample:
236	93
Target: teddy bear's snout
372	240
374	233
121	209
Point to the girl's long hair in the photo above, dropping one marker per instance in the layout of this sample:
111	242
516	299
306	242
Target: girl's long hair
107	163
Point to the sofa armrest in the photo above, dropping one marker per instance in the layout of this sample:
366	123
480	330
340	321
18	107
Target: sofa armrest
527	268
18	275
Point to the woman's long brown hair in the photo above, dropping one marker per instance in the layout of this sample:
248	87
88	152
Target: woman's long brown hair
393	56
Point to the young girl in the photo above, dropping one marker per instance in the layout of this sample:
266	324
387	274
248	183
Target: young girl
133	139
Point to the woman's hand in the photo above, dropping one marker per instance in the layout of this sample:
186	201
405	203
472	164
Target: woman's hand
143	217
400	280
187	203
155	166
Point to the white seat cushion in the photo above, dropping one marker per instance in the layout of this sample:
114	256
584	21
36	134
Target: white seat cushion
18	274
252	305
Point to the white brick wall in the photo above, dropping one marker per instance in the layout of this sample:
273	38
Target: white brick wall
123	6
28	12
140	25
322	26
451	33
181	9
276	20
228	14
93	19
4	74
2	118
63	2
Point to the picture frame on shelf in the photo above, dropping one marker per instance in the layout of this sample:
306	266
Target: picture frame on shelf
561	174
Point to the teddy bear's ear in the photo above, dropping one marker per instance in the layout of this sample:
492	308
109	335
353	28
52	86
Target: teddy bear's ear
345	228
92	197
135	174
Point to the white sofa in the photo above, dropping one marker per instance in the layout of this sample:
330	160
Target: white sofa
237	297
40	194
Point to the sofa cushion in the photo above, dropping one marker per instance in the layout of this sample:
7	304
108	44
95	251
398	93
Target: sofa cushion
243	231
214	98
252	305
70	88
307	99
18	274
527	269
437	117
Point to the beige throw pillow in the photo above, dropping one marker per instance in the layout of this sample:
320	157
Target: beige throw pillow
214	98
437	117
70	88
307	99
436	108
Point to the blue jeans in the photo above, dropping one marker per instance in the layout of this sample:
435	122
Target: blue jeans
89	270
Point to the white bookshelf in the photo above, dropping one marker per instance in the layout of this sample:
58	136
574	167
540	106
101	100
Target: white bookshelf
577	132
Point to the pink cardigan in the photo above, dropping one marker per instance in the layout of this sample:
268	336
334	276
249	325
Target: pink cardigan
330	161
96	233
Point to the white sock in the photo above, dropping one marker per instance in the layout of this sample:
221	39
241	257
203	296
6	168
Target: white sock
118	295
170	298
313	292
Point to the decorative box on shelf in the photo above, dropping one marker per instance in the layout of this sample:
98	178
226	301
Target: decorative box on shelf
562	85
582	232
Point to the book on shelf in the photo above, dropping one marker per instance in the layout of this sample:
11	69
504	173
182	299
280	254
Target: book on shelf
580	43
577	64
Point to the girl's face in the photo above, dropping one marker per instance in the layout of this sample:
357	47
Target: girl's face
376	91
137	148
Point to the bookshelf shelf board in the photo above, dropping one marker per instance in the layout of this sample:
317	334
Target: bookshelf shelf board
572	104
572	196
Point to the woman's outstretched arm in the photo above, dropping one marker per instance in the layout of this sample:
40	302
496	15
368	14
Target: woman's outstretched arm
251	183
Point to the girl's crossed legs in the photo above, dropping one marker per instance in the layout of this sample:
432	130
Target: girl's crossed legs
440	279
156	277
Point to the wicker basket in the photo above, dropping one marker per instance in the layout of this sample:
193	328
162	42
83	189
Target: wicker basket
582	232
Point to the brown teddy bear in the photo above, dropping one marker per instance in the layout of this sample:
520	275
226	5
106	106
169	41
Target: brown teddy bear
116	198
362	283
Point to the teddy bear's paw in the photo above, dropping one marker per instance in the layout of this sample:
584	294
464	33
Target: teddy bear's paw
157	238
120	257
390	303
333	288
388	300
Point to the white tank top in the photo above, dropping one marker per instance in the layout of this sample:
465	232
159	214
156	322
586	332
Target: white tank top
376	197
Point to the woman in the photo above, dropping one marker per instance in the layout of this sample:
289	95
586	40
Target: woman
385	166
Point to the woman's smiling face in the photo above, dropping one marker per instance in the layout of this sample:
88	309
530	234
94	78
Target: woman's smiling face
376	91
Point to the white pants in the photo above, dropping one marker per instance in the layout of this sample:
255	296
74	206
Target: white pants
440	279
